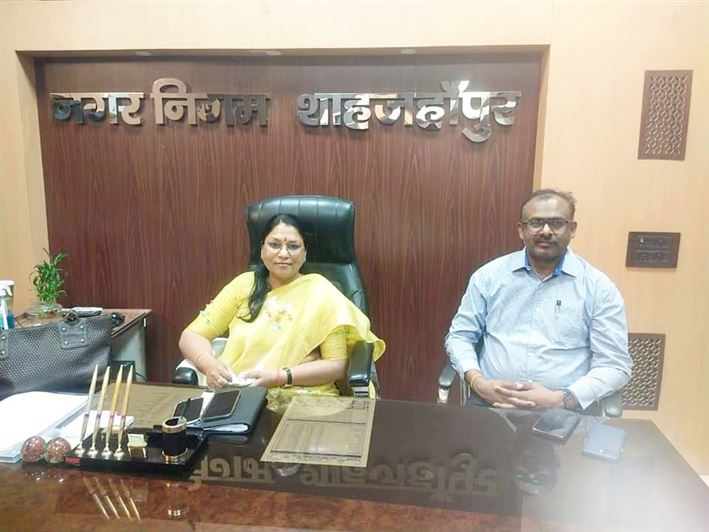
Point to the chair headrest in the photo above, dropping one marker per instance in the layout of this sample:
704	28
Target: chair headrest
327	221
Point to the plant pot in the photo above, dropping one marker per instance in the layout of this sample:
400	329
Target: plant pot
44	309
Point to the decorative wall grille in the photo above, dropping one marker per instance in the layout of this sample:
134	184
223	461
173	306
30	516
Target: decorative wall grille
648	353
665	114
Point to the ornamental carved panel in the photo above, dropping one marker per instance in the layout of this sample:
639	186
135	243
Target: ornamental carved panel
648	353
665	114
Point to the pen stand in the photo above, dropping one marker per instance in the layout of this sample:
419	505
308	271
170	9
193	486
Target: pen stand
174	439
143	450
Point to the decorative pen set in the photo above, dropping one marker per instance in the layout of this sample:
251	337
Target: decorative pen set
106	452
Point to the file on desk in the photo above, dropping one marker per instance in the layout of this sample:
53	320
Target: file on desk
242	420
33	414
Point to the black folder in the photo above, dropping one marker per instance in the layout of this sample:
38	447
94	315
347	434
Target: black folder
244	417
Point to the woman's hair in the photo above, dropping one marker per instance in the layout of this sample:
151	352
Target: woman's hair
261	286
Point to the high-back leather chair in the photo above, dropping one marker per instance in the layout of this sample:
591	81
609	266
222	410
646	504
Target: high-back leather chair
329	237
328	224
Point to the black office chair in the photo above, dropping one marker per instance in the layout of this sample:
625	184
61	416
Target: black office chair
329	226
611	406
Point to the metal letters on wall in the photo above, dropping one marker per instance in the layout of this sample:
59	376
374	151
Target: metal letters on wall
93	104
171	102
426	108
353	110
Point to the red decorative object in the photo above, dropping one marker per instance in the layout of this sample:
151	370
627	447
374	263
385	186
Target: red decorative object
33	449
57	449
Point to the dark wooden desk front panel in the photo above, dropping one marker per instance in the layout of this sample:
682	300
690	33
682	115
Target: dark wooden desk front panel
430	467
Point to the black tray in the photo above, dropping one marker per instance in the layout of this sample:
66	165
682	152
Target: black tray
144	459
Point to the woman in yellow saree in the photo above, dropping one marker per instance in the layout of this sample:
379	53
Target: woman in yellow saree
289	332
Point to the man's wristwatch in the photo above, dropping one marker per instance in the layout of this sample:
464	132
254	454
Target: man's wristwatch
568	399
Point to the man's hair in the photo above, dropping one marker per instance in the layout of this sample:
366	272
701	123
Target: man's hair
544	193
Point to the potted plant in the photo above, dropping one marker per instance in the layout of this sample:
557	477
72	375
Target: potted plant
48	280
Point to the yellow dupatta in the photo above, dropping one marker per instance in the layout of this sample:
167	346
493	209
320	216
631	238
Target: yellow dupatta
294	320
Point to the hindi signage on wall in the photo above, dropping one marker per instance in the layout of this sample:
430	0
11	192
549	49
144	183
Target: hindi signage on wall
320	109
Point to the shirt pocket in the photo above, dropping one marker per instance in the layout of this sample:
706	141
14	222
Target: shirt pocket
569	327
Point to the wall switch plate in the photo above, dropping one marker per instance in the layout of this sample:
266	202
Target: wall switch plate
652	250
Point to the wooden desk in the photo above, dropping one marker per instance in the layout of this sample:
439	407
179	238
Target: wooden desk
430	468
128	339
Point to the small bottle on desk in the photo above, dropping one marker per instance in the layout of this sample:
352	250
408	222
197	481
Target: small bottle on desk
7	318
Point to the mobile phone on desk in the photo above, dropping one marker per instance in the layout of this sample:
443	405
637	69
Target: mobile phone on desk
556	424
221	406
604	442
194	409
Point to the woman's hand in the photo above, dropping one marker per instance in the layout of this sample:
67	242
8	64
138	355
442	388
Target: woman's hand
312	371
218	374
198	350
262	377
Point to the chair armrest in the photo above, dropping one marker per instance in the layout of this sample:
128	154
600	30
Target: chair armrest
445	383
218	345
447	376
359	372
186	373
612	406
184	376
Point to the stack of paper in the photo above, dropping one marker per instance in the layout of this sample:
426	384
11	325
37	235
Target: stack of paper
72	431
33	414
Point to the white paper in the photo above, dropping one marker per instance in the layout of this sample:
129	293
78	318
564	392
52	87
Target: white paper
239	380
33	414
72	431
323	430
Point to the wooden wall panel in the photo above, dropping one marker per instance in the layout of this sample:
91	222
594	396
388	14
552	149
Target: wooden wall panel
152	216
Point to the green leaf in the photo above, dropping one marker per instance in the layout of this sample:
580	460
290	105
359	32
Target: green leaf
48	278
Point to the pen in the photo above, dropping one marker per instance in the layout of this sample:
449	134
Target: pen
126	492
97	421
80	450
558	305
117	495
106	497
124	410
111	414
95	497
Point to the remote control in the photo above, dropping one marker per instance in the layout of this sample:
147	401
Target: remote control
85	312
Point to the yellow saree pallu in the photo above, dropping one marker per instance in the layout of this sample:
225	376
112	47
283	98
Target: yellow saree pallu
295	319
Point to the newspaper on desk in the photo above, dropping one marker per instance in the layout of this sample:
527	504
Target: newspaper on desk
323	430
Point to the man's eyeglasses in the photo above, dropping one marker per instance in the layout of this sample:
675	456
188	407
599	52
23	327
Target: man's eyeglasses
292	248
534	225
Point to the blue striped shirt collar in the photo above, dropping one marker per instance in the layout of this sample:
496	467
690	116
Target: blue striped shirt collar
568	264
